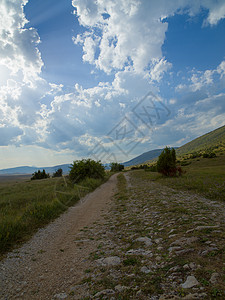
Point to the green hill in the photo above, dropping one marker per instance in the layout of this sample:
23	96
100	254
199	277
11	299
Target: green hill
214	140
144	157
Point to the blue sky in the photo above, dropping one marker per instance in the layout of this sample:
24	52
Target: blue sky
107	79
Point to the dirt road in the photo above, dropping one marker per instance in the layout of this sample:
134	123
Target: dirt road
148	241
53	259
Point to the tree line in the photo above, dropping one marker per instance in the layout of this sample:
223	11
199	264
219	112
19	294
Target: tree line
88	168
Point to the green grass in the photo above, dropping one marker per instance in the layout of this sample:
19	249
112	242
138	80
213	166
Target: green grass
214	140
29	205
205	176
130	261
122	188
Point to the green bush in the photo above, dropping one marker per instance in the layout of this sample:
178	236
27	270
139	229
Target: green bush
115	167
40	175
209	154
84	168
140	167
58	173
185	163
143	167
166	163
152	168
134	168
195	155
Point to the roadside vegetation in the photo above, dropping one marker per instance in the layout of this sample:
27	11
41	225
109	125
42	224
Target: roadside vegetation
166	164
31	204
116	167
40	175
200	173
58	173
86	168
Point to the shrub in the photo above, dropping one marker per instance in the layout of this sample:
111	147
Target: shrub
40	175
115	167
166	163
195	155
58	173
143	167
140	167
84	168
152	168
209	154
212	154
134	168
180	171
185	163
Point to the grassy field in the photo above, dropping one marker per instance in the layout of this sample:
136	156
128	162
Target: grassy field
212	141
28	205
202	175
13	178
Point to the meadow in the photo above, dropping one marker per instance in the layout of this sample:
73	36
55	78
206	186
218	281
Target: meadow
205	176
27	205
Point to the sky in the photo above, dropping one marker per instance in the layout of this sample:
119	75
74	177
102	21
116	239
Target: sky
107	79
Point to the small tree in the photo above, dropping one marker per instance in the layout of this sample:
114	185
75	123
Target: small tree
209	155
115	167
58	173
152	168
84	168
40	175
166	163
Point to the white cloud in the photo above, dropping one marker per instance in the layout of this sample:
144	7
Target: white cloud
190	122
180	87
122	38
133	32
131	35
88	140
216	11
221	69
208	79
89	49
22	89
160	67
18	46
172	101
90	42
212	102
200	79
87	115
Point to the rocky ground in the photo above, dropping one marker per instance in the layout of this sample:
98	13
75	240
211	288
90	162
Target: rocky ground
151	242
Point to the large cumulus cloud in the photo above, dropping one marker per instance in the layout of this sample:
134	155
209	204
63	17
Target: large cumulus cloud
124	40
22	89
131	33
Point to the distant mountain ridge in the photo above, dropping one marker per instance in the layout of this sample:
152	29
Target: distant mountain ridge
31	170
23	170
144	157
207	141
140	159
